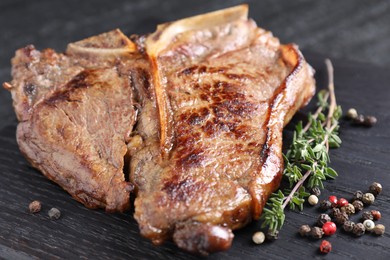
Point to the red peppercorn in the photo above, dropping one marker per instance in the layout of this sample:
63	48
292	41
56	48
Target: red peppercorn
342	202
376	214
333	200
325	247
329	228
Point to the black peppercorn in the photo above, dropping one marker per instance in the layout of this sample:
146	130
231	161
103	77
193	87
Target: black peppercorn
369	121
322	219
325	205
340	218
54	213
304	230
375	188
359	120
358	195
359	229
272	235
358	205
35	206
315	191
316	232
348	226
368	198
367	215
349	209
334	212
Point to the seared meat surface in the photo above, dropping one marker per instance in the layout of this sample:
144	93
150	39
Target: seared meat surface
197	108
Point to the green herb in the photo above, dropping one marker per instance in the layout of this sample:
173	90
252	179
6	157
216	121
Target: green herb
306	161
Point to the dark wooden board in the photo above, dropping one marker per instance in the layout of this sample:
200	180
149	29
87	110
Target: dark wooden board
81	233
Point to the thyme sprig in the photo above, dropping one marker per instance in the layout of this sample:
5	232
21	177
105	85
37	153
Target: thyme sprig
307	159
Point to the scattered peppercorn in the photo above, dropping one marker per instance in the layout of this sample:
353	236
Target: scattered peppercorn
359	229
334	212
329	228
342	202
375	188
35	206
272	235
368	198
348	226
359	120
304	230
349	209
54	213
313	200
316	232
325	204
258	237
369	121
322	219
379	229
316	191
358	205
358	195
325	247
352	113
369	224
333	200
341	217
367	215
376	214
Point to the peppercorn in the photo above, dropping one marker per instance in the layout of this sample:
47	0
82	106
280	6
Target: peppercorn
313	200
325	204
35	206
352	113
375	188
358	205
348	226
258	237
329	228
325	247
379	229
322	219
359	229
54	213
369	121
316	232
359	120
368	198
333	200
376	214
358	195
304	230
369	224
340	218
334	212
367	215
342	202
272	235
316	191
349	209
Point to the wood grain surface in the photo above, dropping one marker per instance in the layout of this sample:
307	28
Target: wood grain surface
340	29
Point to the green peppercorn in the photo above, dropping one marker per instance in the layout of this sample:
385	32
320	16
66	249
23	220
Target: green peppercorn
316	191
369	121
272	235
322	219
358	205
349	209
304	230
340	218
368	198
352	113
375	188
316	232
359	229
325	205
379	229
367	215
358	195
348	226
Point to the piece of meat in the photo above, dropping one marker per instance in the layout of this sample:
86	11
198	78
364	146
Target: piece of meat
77	114
224	89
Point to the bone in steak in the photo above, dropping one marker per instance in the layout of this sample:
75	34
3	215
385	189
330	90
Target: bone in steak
212	94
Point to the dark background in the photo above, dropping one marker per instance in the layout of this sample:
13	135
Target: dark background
355	34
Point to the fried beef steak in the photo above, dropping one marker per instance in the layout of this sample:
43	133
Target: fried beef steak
197	107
